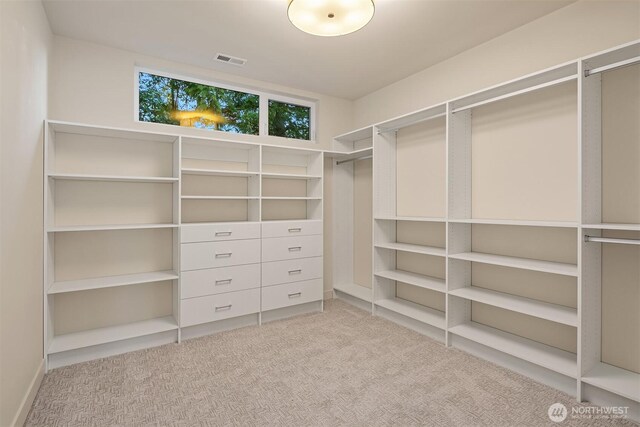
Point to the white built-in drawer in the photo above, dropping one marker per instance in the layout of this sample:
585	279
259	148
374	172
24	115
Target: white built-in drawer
194	311
293	270
281	248
291	228
196	256
291	294
216	232
197	283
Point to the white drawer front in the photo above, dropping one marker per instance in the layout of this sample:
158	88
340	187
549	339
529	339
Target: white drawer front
291	294
212	281
194	311
291	228
296	270
281	248
218	232
196	256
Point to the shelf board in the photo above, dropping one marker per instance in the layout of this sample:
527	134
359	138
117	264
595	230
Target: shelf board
614	379
110	334
522	263
110	281
351	154
69	228
410	218
555	313
613	226
358	291
559	224
289	176
418	249
291	198
537	353
217	172
415	311
219	197
356	135
414	279
83	177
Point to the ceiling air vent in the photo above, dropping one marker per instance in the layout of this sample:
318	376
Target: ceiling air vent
230	59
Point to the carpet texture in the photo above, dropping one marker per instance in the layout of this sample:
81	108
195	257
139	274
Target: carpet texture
340	367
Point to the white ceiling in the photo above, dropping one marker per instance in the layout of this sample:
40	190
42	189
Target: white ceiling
405	36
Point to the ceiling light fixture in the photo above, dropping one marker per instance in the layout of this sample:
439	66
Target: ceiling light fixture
330	18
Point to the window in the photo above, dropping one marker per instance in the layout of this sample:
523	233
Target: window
289	120
175	101
184	103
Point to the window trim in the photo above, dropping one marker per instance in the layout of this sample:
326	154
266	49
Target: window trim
263	96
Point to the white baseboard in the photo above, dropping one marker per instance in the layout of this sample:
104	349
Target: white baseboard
27	400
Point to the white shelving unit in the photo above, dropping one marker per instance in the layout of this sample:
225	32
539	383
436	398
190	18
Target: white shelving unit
350	252
544	245
112	224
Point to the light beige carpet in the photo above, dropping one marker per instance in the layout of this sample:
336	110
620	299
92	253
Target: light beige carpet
340	367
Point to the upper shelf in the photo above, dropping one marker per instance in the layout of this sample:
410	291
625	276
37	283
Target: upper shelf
217	172
83	177
611	226
422	115
356	135
364	152
73	228
289	176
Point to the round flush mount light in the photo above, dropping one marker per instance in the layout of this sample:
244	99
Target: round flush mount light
330	18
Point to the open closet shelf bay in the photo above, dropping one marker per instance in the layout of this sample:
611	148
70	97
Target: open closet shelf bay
469	249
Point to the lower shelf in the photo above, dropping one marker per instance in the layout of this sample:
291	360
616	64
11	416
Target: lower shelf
110	334
614	379
537	353
415	311
358	291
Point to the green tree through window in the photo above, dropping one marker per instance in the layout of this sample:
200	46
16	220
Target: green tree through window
289	120
182	103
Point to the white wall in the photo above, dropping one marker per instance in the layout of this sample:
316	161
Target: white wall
94	84
24	51
577	30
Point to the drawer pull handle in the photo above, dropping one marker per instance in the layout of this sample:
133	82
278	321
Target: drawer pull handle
295	230
295	295
224	255
223	233
223	282
295	249
223	307
298	271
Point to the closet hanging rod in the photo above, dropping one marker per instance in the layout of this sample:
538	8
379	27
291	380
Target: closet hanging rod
615	65
368	156
397	128
611	240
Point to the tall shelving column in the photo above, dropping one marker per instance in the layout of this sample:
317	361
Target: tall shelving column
409	246
610	102
351	243
111	232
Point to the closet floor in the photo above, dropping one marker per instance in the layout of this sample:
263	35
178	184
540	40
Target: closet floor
340	367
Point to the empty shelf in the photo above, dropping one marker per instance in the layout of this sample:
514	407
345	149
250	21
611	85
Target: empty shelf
418	249
560	224
220	197
82	177
531	307
612	226
409	218
614	379
523	263
415	311
290	198
110	281
537	353
215	172
111	334
289	176
414	279
68	228
358	291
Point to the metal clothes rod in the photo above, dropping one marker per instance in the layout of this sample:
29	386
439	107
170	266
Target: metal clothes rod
368	156
613	66
611	240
